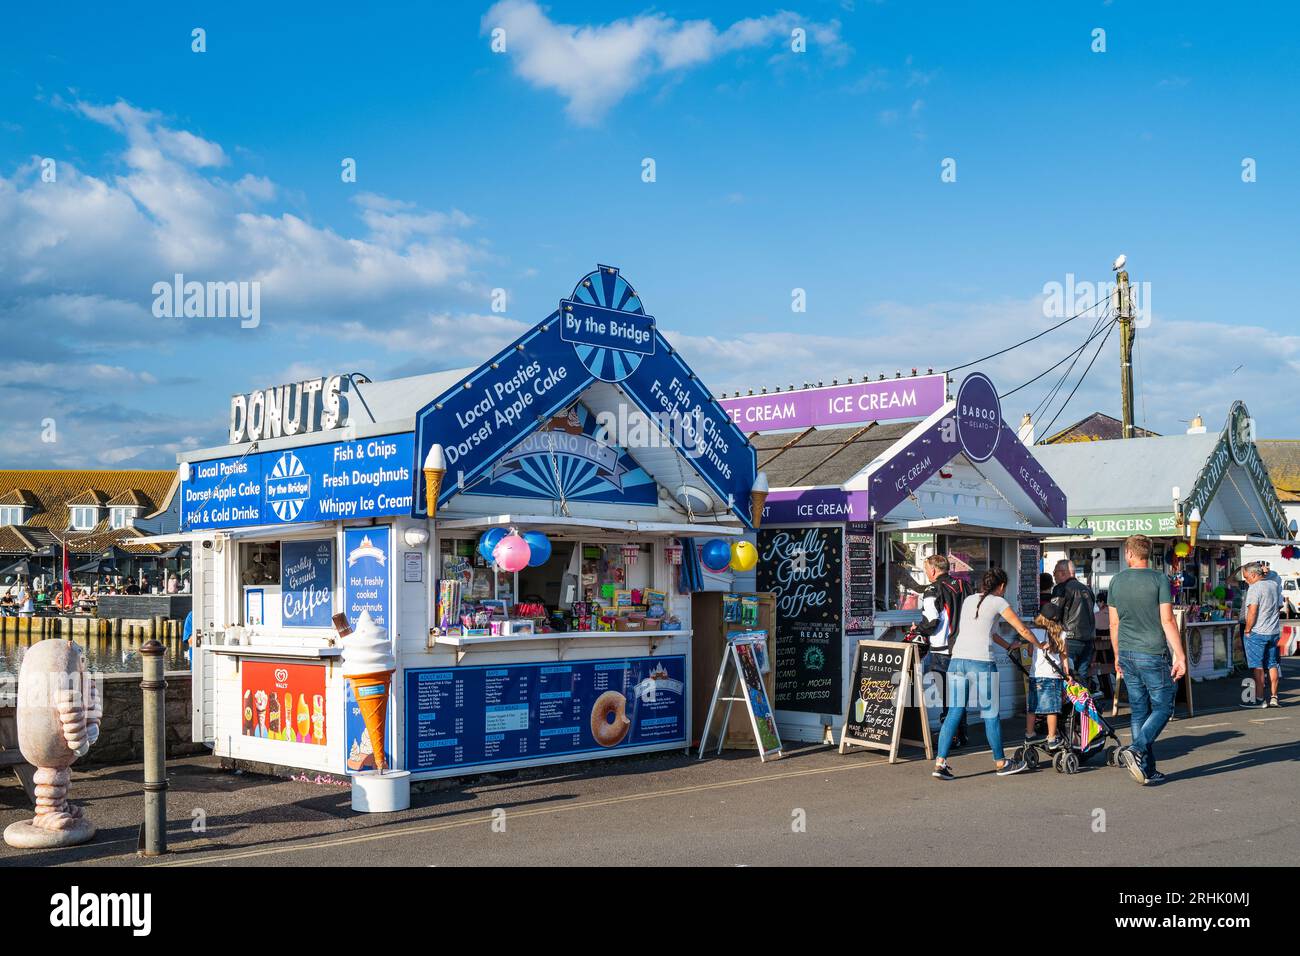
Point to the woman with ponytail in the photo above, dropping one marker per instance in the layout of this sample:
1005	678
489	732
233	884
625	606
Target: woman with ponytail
972	676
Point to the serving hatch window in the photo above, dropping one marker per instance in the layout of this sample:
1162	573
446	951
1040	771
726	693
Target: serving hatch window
900	574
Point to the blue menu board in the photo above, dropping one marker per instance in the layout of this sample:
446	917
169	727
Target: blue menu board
466	716
307	583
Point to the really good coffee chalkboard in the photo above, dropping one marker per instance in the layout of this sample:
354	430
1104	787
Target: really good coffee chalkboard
885	700
804	569
1030	563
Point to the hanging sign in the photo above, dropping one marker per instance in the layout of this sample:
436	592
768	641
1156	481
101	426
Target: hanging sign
886	700
599	334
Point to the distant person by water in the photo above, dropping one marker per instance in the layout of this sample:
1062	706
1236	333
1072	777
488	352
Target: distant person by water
26	607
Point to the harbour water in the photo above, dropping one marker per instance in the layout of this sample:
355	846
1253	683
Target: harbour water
110	655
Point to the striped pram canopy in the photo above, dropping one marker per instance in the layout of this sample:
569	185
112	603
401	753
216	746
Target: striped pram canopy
1090	725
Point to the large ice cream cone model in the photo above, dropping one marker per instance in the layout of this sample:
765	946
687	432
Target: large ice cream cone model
369	664
758	499
435	466
371	692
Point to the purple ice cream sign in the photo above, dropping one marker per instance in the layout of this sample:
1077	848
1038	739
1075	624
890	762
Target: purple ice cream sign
915	397
804	505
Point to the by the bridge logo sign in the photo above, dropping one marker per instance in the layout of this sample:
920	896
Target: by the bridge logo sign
288	487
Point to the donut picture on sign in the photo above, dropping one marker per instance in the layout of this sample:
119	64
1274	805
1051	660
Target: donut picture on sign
609	721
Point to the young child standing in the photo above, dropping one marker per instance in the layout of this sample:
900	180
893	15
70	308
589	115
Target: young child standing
1047	687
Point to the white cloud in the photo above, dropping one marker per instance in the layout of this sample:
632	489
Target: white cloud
595	66
1181	369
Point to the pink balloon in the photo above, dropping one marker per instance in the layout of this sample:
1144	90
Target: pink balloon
512	553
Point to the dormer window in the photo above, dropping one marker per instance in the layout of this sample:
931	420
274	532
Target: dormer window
12	515
84	518
122	517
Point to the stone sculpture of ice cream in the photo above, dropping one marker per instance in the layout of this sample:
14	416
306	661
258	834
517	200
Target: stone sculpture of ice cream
368	663
58	719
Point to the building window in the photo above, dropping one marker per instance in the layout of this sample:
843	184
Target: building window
121	518
83	519
11	515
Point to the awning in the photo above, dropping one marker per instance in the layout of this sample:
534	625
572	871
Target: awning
1244	539
953	522
174	538
558	525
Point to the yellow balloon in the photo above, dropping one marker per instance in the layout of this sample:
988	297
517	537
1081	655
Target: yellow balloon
1182	548
743	556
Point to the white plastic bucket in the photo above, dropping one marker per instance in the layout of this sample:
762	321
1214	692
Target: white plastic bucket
374	792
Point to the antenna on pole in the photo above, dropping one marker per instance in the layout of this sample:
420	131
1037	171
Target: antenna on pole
1124	311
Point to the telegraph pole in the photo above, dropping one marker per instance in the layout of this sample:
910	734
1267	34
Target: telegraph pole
1124	310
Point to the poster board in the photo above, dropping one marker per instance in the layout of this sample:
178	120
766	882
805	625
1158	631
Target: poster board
1030	561
742	671
859	577
803	568
886	707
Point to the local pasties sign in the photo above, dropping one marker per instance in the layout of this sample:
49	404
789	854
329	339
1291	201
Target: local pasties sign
600	334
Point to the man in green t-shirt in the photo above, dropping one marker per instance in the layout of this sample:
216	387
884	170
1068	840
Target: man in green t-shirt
1141	627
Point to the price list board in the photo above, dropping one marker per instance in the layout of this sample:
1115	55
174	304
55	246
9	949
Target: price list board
469	716
859	577
1030	564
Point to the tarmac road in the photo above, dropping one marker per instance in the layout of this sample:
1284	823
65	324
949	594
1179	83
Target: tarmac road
1230	800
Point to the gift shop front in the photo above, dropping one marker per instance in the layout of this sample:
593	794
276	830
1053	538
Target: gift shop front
514	532
857	505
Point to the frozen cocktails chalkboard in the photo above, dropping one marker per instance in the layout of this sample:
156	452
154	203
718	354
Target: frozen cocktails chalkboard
886	706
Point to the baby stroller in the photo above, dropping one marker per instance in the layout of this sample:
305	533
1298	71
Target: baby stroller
1085	732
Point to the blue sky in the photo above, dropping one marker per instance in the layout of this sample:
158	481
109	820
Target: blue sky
521	170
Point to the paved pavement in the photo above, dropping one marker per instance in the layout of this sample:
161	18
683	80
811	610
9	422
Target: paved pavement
1230	800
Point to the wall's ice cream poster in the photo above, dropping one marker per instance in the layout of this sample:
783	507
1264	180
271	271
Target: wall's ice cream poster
284	701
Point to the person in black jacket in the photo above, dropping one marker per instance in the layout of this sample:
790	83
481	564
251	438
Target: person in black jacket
1078	619
940	613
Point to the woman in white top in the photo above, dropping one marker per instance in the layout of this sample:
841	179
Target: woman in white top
972	676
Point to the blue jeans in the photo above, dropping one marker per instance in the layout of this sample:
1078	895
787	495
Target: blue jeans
1150	700
1262	651
938	664
972	684
1081	654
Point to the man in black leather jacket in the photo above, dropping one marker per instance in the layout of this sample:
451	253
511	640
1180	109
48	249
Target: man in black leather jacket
1078	618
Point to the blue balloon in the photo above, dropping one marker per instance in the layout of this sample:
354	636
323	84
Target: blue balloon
716	555
487	544
539	548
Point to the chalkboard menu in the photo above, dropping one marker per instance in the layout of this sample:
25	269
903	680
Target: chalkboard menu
859	577
804	569
885	699
1030	568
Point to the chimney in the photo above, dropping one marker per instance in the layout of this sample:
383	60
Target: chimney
1197	427
1026	429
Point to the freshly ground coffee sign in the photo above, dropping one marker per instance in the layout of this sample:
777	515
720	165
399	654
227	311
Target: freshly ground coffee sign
1236	445
803	568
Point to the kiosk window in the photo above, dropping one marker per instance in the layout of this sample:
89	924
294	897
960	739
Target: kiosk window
968	559
900	573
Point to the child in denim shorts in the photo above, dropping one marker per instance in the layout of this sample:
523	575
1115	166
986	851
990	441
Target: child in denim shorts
1046	687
